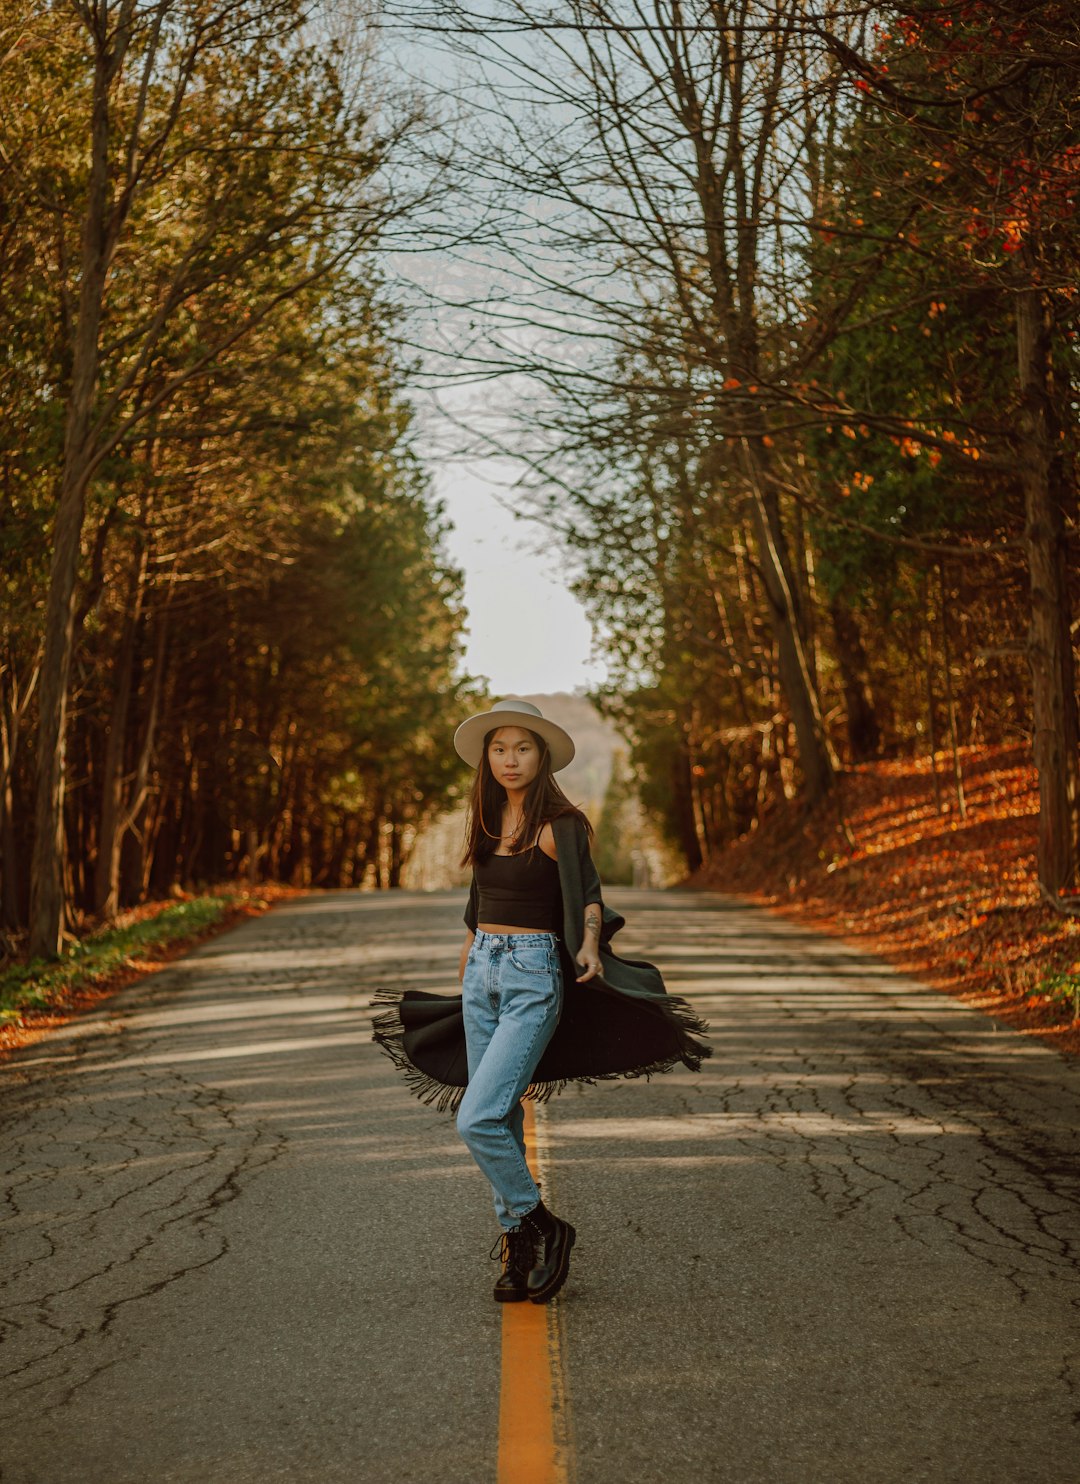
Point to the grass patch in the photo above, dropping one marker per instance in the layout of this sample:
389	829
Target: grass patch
1060	990
38	986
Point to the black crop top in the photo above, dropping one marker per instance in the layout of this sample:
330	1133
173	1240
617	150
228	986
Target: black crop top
520	890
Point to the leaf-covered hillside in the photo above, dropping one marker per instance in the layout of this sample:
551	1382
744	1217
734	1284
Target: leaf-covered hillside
954	901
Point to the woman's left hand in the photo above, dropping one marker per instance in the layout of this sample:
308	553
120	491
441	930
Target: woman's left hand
589	960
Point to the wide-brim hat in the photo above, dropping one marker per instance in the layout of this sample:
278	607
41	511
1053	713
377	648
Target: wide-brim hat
469	737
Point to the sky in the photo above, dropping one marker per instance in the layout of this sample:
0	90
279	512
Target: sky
526	633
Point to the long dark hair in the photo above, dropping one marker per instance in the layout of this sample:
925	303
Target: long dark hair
544	801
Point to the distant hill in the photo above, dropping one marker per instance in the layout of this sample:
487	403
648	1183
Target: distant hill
586	779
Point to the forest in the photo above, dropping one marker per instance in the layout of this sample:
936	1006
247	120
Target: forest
792	290
228	626
795	288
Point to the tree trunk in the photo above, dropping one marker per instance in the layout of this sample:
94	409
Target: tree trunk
14	701
950	696
107	867
864	733
805	596
682	788
1049	644
931	702
46	872
397	852
816	757
133	824
374	843
10	914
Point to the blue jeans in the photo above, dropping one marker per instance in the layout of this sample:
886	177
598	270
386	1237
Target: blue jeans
511	997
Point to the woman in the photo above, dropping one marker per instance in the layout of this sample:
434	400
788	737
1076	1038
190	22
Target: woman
511	979
544	1000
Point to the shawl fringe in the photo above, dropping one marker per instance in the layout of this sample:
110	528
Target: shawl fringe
388	1033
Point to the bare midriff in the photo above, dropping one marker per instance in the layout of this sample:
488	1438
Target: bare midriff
500	927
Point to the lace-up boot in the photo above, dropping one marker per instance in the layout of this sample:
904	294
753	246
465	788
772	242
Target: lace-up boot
552	1241
514	1249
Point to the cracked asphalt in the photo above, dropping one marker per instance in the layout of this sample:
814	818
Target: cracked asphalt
235	1249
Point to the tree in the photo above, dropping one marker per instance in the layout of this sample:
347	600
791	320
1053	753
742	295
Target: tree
982	103
216	139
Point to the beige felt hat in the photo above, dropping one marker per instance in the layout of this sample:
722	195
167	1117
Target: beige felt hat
469	737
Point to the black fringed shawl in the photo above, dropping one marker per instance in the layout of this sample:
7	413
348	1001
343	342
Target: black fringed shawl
621	1023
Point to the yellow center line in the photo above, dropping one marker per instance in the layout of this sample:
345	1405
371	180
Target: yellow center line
534	1431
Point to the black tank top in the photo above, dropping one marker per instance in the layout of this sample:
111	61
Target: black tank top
520	890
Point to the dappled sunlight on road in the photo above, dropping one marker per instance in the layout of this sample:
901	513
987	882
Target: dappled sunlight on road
858	1157
734	1125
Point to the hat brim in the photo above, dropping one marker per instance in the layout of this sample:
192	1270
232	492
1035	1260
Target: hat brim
469	737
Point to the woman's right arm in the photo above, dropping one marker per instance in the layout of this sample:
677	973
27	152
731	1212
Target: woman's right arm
469	936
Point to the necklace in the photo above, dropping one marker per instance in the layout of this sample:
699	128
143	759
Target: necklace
510	836
514	831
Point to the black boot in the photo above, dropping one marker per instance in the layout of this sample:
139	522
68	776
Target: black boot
515	1250
552	1241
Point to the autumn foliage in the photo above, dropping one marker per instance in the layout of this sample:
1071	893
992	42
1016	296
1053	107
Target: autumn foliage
896	869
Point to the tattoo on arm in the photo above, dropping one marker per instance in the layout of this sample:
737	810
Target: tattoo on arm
592	920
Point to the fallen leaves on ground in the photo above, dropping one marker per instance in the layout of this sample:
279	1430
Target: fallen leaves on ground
954	901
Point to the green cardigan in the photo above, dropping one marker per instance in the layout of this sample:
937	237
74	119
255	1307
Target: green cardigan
620	1023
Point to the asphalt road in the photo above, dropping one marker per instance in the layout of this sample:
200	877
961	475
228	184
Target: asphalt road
235	1250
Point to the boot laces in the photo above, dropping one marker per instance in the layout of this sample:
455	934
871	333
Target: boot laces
513	1249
